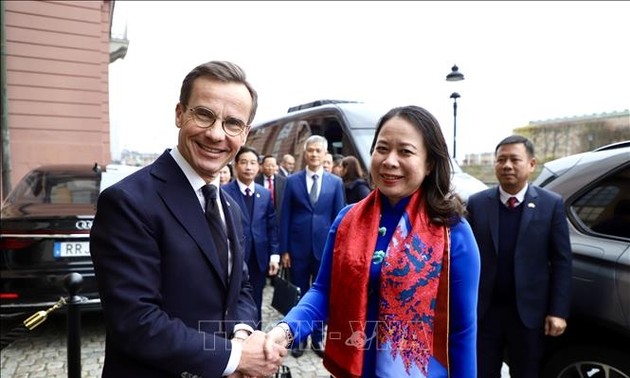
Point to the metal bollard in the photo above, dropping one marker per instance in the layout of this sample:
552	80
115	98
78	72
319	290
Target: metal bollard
72	283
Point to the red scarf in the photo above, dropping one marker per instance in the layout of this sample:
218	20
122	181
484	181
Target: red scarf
352	255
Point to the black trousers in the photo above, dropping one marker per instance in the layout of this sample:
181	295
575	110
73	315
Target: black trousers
303	273
501	333
258	280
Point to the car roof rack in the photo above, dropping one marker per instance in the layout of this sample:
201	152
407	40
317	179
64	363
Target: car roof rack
316	103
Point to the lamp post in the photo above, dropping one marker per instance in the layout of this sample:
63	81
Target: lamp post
455	96
455	75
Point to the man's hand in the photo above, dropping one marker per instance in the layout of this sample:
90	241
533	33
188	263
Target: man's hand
273	268
554	326
286	260
275	337
254	362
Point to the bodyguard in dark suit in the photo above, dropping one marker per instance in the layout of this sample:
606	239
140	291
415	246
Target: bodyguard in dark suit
307	213
167	247
259	223
523	238
270	180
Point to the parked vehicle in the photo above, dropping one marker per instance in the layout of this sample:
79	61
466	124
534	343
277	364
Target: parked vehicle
349	128
46	222
596	189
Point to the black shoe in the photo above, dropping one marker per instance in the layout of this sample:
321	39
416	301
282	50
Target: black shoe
318	348
298	351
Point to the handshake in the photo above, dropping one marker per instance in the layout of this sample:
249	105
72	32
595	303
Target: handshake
262	353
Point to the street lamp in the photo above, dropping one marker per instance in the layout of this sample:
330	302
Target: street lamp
455	96
455	75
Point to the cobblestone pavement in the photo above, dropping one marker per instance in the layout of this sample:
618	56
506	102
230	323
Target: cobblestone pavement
43	352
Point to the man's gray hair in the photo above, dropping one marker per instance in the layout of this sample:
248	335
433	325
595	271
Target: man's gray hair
316	139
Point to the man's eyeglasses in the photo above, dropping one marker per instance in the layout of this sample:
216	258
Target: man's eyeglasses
205	118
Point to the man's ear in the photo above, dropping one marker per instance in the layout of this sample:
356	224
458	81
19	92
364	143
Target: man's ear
532	164
179	115
244	135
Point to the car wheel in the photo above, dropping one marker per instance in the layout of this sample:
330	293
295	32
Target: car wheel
584	361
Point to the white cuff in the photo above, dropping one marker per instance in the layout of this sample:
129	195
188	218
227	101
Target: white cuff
235	358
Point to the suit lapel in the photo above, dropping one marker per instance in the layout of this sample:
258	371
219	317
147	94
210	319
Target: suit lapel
185	208
529	207
325	188
232	219
258	203
279	184
493	217
235	193
303	187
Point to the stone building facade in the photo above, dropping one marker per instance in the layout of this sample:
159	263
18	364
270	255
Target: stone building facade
555	138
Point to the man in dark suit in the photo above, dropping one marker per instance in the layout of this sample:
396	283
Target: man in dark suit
312	199
272	181
171	276
523	238
287	165
259	223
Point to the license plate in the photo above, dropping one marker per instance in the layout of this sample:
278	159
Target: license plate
71	249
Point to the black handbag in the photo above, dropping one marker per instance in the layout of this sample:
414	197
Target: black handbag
285	294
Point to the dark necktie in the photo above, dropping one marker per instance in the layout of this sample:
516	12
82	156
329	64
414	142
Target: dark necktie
249	201
273	197
213	216
511	202
314	190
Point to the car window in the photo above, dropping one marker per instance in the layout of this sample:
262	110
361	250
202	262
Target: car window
605	208
288	137
55	188
73	191
279	138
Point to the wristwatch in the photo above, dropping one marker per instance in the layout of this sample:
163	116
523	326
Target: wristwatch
287	332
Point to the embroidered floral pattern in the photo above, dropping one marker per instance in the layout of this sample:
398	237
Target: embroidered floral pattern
410	277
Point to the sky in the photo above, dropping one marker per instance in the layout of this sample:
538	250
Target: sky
522	61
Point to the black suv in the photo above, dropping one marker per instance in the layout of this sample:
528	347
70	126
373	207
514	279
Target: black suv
347	125
595	187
